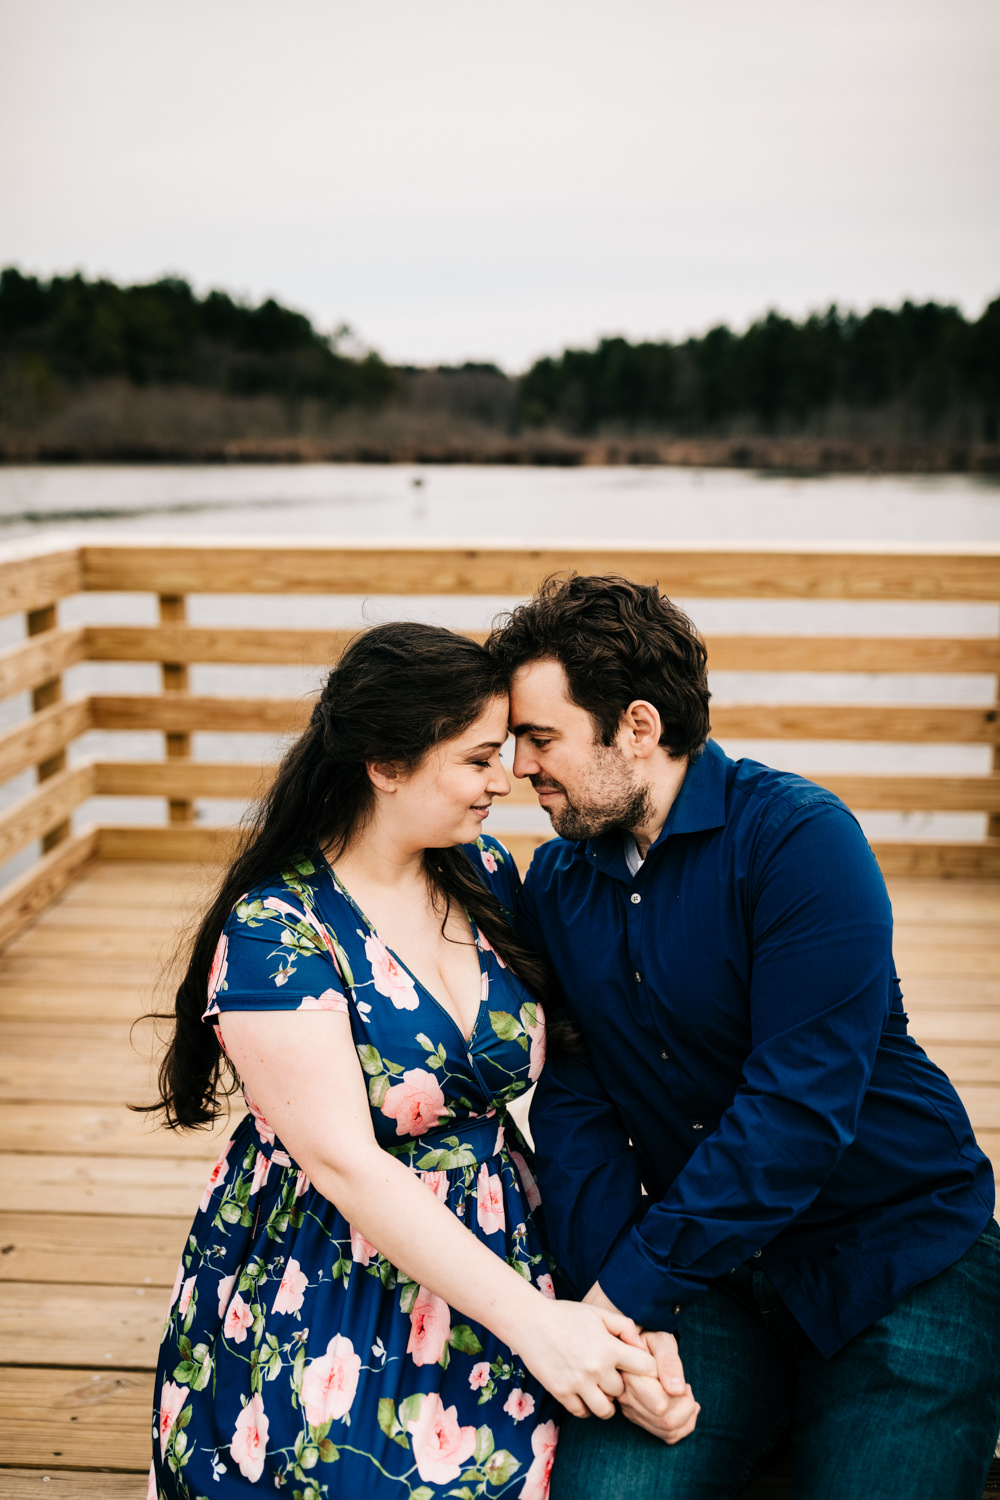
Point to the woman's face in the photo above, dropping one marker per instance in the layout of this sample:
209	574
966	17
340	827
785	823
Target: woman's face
446	800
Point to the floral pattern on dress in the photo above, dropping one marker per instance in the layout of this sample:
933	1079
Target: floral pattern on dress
295	1356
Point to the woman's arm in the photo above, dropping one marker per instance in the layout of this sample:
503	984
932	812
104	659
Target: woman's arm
305	1076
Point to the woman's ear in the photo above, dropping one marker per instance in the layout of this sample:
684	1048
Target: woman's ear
641	728
384	775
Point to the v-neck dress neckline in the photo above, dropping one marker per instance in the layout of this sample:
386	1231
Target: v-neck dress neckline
467	1041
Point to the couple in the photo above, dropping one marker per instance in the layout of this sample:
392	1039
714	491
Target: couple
761	1206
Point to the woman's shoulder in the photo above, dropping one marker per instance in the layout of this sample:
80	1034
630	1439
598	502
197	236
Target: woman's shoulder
298	889
494	864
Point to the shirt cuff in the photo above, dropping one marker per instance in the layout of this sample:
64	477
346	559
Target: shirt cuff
639	1288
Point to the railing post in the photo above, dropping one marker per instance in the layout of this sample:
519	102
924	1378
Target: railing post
173	611
42	696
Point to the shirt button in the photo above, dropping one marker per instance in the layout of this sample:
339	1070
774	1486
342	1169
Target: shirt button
635	898
757	1254
638	977
677	1309
665	1056
697	1125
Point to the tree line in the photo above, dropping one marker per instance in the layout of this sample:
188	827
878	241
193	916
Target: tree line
163	334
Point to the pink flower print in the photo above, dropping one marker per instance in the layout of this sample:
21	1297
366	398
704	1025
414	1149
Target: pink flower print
545	1285
437	1182
489	860
484	943
529	1186
217	973
151	1491
289	1296
225	1292
543	1445
479	1375
388	977
301	1183
218	1175
440	1446
249	1443
489	1201
186	1291
238	1320
261	1167
177	1286
329	1000
536	1056
280	1158
329	1383
430	1325
362	1250
519	1404
172	1398
416	1104
263	1128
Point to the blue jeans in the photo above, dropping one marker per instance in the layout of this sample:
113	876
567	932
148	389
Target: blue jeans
909	1408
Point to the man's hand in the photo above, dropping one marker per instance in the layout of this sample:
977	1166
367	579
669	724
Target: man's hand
666	1406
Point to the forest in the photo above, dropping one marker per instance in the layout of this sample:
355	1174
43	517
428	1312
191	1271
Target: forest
93	370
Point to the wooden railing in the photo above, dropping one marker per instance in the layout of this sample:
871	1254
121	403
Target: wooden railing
33	580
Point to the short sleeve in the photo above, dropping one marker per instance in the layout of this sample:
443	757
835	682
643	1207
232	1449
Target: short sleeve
276	955
496	869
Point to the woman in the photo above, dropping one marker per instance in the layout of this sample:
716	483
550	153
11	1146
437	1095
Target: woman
364	1307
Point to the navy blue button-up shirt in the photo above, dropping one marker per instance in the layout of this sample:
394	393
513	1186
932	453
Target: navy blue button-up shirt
751	1091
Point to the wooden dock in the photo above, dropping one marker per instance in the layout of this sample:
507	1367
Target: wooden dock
95	1202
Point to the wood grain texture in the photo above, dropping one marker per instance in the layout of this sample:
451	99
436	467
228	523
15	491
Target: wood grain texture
191	711
50	804
50	1483
181	778
34	574
99	1249
61	1128
40	659
76	1418
692	570
65	1324
25	898
101	1184
43	735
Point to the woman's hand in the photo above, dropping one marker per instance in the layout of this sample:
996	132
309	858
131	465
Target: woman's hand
581	1355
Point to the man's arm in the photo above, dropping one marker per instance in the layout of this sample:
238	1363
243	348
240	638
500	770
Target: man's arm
819	997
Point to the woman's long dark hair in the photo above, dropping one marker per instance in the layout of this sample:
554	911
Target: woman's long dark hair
397	691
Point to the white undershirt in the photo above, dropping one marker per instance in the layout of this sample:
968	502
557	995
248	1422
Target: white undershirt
633	858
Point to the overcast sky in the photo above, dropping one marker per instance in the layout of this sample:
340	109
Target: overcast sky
460	180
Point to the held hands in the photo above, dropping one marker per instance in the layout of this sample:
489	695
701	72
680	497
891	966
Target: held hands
664	1405
585	1355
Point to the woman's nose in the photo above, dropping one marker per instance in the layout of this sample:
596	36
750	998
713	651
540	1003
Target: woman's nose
499	783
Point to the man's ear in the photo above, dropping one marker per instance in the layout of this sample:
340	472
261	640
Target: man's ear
641	728
384	775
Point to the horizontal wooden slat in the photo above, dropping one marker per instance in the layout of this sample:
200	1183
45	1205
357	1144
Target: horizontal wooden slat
40	658
852	653
170	1189
796	570
168	843
29	895
184	712
58	1128
46	807
101	1326
179	778
34	575
87	1063
928	857
76	1419
192	643
68	999
76	1484
102	1249
964	1062
43	735
982	1026
910	793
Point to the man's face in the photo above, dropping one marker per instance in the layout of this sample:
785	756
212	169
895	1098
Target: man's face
585	787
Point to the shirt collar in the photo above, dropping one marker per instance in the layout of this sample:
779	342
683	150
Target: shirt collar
699	805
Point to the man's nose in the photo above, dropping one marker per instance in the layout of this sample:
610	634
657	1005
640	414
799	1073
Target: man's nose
525	764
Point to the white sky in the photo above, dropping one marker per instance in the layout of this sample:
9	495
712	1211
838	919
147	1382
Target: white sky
459	180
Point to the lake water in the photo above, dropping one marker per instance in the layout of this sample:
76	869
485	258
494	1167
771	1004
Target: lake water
537	506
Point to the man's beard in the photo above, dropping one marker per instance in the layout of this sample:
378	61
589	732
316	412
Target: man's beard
622	803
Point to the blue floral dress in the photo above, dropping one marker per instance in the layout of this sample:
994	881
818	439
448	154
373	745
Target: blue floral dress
295	1356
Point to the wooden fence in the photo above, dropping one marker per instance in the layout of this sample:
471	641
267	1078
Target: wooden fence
34	579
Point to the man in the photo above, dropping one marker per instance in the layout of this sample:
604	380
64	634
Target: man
750	1156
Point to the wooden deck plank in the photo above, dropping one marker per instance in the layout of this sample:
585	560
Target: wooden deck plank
100	1249
70	1002
76	1418
101	1184
108	1130
71	1484
107	1327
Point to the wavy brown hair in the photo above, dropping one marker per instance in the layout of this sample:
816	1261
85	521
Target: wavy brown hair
398	690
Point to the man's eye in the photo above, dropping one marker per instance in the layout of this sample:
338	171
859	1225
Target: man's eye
541	744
